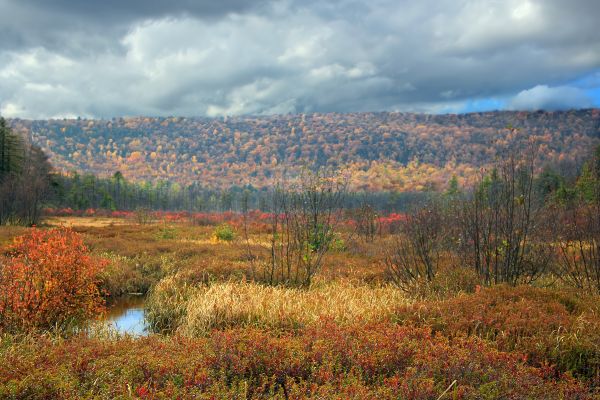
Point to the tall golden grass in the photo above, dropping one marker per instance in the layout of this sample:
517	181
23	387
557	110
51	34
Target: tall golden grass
195	311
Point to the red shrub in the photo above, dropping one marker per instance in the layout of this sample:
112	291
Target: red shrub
47	277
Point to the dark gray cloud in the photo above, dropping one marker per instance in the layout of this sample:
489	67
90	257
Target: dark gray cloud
74	25
138	9
101	59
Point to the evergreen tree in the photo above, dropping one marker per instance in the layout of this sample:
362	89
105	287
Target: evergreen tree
10	150
453	189
587	182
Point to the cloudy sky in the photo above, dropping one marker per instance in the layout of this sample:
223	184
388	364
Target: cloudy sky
68	58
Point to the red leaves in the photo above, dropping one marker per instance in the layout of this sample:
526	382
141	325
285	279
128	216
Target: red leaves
142	392
48	278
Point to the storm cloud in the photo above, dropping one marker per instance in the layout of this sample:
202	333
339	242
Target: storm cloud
67	58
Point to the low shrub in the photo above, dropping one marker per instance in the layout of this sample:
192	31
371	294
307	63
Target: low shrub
360	361
224	232
549	326
166	233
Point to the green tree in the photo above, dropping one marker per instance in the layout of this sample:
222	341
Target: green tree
453	189
587	183
548	183
107	202
10	150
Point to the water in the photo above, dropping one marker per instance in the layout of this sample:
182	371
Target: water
126	315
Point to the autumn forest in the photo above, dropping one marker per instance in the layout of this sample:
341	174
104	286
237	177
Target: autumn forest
383	151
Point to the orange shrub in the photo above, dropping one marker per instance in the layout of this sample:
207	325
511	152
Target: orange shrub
48	278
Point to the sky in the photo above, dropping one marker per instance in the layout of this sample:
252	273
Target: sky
110	58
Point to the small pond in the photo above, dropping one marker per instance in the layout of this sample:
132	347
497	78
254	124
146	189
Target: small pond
126	315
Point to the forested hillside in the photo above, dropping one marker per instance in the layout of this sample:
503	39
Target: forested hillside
384	151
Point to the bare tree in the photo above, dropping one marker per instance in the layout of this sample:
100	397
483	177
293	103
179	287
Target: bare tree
143	215
304	218
33	186
367	224
576	233
24	179
578	247
498	223
418	250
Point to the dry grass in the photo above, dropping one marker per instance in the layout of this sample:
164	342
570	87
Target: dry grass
195	311
8	233
96	222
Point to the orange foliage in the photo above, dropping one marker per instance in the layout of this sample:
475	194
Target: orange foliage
48	278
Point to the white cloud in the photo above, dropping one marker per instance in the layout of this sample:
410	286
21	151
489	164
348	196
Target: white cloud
11	110
542	97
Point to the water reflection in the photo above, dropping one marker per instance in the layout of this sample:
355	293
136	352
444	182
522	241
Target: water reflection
126	315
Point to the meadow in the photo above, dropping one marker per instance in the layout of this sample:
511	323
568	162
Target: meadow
219	331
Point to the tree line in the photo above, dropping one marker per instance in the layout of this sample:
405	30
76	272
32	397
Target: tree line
24	179
88	191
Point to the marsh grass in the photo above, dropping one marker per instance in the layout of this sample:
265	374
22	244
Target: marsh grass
195	311
124	275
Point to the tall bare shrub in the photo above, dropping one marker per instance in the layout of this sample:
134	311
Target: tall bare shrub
577	232
418	249
498	224
305	214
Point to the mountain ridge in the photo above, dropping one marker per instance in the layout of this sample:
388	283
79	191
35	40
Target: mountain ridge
382	150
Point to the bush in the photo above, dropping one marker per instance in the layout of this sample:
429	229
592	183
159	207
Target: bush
224	233
48	279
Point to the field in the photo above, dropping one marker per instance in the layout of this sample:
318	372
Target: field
220	332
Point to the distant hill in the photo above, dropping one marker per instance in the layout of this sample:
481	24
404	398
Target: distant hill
384	151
